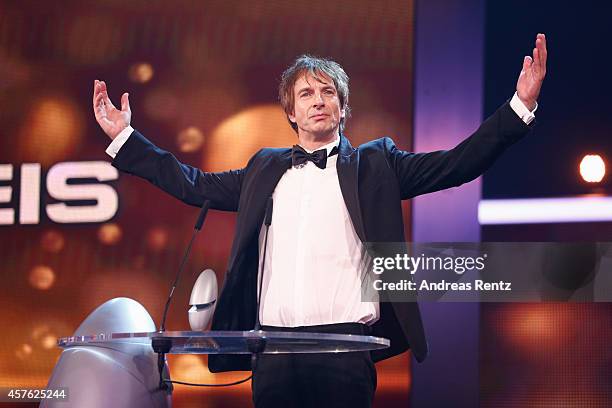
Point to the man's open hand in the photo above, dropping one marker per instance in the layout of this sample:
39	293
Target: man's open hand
533	73
111	120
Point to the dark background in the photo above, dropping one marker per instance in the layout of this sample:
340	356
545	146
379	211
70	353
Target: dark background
575	111
549	354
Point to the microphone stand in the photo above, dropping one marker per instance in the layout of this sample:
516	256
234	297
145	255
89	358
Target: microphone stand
162	345
257	345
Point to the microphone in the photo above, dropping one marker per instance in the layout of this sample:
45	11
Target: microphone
258	345
203	300
202	216
196	228
162	345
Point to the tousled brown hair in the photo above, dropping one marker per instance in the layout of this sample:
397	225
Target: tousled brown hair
307	64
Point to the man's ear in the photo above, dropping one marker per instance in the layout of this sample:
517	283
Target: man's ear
291	117
342	113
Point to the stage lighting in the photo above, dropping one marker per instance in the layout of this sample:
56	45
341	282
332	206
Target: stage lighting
49	342
52	241
190	139
109	234
52	131
141	72
247	131
157	238
23	351
592	168
42	277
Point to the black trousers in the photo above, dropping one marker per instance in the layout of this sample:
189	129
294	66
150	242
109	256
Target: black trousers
315	380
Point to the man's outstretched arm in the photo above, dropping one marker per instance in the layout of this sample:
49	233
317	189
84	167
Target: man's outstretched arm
421	173
134	154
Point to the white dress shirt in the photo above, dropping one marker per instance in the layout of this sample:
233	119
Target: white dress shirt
313	272
313	267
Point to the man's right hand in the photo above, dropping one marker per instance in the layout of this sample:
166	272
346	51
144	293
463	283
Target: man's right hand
111	120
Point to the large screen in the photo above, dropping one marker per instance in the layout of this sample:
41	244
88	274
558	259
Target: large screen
203	80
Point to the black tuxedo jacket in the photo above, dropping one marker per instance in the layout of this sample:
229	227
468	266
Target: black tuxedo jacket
373	178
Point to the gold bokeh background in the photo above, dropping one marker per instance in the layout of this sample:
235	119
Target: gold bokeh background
202	77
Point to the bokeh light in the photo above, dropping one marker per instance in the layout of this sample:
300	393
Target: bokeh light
246	132
42	277
52	241
538	327
141	72
109	234
49	342
51	132
23	351
592	168
39	331
190	139
44	336
157	238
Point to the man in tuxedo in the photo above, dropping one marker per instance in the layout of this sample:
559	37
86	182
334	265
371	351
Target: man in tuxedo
330	199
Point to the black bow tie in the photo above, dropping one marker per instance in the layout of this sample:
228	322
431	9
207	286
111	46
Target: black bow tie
299	156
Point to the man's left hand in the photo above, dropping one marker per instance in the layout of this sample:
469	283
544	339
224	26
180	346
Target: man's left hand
532	75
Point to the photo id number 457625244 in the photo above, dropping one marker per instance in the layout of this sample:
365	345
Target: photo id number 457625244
12	394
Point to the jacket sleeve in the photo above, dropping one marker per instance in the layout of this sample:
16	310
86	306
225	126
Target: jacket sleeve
421	173
140	157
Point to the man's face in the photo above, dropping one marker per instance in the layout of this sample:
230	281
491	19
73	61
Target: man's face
316	109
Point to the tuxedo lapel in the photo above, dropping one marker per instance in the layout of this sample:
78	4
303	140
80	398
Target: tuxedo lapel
262	181
348	171
281	163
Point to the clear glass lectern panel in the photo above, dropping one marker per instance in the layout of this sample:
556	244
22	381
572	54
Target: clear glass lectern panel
237	342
